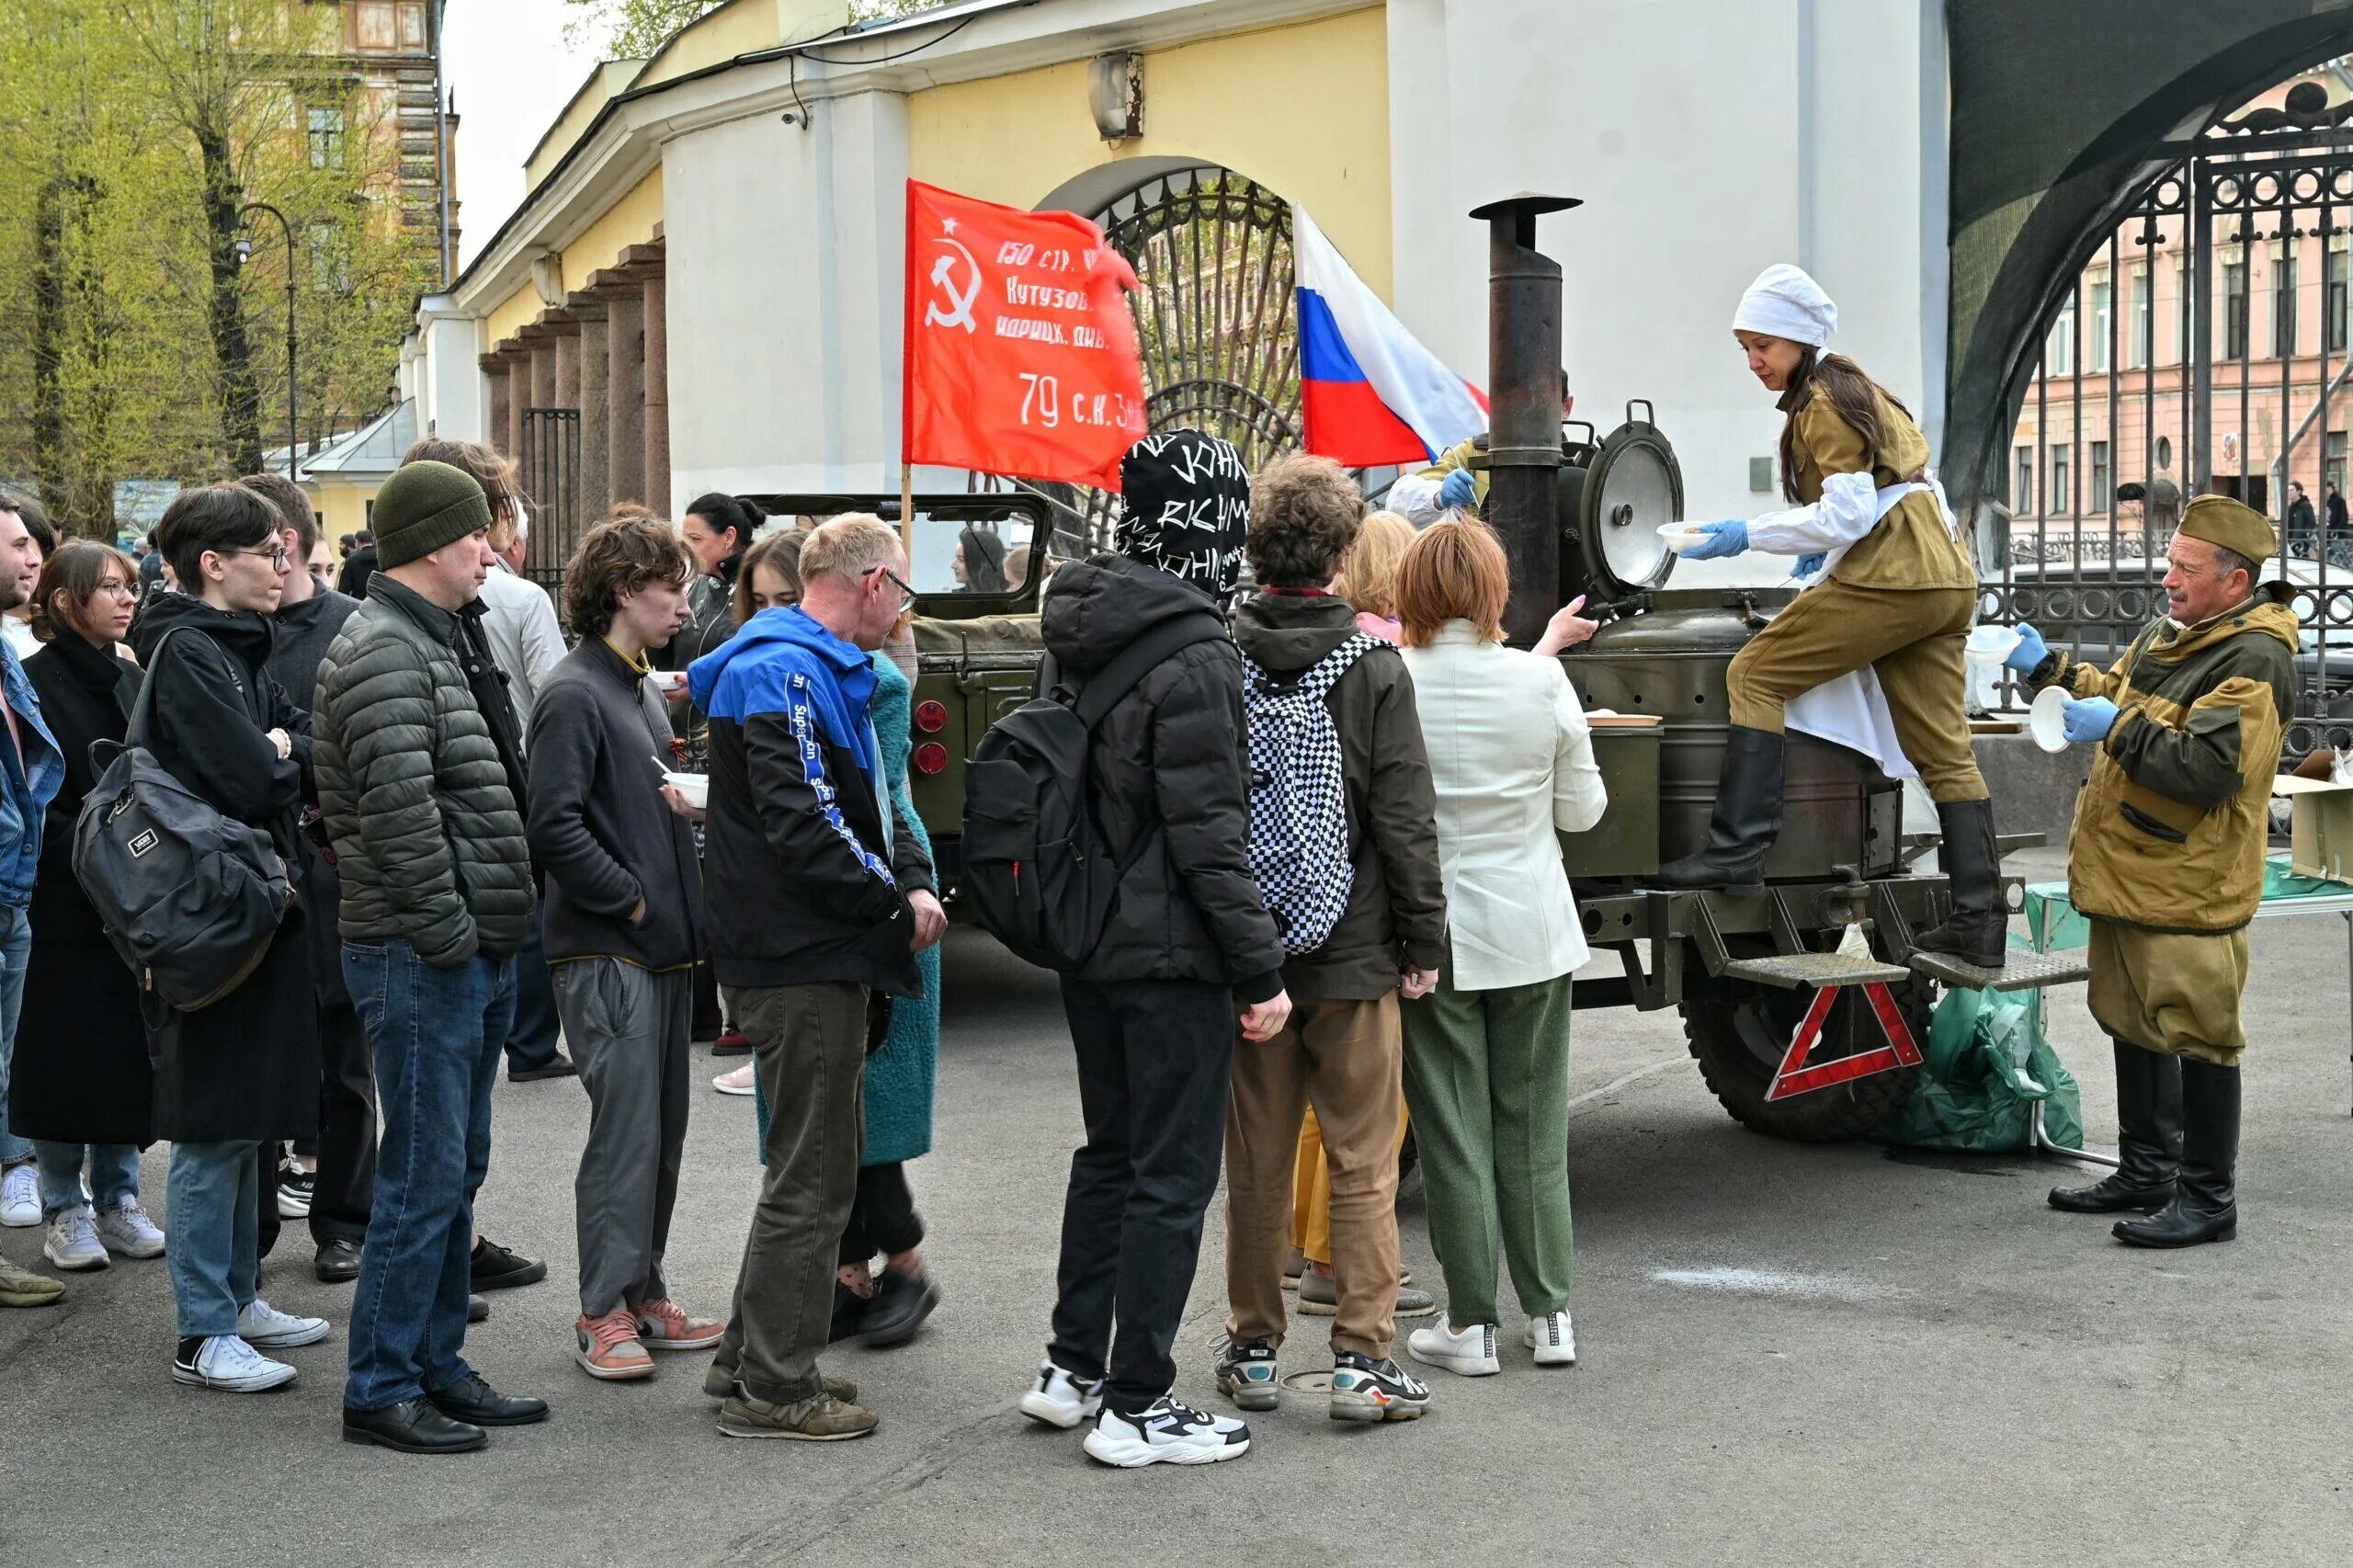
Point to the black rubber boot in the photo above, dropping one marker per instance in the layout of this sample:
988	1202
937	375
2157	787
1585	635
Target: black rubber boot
2148	1117
1746	821
1978	929
2205	1199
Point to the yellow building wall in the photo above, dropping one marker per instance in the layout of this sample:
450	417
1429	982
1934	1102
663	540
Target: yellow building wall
629	221
512	314
342	509
1303	111
609	81
741	27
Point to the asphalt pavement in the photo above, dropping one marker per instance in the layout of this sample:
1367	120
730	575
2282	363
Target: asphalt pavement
1789	1355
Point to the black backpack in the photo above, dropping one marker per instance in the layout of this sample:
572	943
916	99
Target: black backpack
1034	862
191	899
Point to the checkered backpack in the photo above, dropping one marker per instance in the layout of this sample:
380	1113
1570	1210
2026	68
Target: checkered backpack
1299	805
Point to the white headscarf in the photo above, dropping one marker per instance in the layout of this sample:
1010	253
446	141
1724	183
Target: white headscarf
1786	302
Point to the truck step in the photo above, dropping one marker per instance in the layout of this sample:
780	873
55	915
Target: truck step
1802	971
2023	971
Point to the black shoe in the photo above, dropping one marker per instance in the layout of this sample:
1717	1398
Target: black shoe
477	1310
338	1261
496	1269
561	1067
2205	1199
412	1427
1978	929
2148	1120
901	1304
849	1311
478	1405
1746	823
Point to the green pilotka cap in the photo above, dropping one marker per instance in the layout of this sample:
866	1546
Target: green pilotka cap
2217	519
424	507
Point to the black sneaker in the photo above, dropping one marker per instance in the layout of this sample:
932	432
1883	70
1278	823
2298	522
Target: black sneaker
477	1309
900	1304
496	1269
1367	1390
1245	1374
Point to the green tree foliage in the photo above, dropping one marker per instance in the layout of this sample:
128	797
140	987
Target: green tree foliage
633	29
152	340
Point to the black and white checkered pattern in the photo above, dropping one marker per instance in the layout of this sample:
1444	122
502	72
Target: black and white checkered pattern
1299	807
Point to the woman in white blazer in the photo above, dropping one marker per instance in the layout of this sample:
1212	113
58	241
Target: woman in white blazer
1487	1051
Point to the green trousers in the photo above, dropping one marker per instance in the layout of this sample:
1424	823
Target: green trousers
1487	1081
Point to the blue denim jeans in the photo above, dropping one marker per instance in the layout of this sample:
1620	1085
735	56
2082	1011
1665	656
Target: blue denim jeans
114	1174
16	949
213	1240
438	1034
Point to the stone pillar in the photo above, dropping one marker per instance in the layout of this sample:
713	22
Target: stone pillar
625	389
500	375
568	368
518	397
543	373
658	395
595	413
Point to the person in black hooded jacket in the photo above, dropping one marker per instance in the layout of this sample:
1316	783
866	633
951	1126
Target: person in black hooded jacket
1153	1010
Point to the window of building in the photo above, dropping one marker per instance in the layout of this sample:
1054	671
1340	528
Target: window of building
2283	304
2022	494
2165	453
2062	496
2141	329
2334	305
2102	305
2332	462
2185	309
2097	500
330	260
2059	352
2235	338
326	138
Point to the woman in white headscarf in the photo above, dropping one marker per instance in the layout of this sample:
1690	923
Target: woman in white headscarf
1887	585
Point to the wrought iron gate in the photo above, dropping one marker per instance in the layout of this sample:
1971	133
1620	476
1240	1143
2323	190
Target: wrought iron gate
2206	348
550	480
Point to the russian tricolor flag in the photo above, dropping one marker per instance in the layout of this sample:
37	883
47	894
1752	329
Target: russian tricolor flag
1369	394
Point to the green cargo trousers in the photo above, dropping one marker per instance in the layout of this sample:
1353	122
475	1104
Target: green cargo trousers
1487	1081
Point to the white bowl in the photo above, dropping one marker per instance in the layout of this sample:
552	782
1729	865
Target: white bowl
1989	646
694	787
2047	719
1679	537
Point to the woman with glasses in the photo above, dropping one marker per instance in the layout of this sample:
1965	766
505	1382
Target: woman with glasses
80	1087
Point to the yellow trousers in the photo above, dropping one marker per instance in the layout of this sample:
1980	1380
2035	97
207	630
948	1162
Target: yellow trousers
2176	994
1912	639
1311	1190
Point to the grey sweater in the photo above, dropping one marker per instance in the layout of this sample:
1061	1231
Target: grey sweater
597	822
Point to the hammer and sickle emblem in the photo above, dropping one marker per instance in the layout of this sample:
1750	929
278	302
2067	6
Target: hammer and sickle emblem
943	278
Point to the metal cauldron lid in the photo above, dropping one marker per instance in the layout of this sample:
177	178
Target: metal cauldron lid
1633	484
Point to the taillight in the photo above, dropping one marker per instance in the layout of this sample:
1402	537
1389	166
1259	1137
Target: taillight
931	758
931	717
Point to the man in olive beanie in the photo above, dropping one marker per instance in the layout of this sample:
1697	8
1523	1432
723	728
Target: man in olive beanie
436	899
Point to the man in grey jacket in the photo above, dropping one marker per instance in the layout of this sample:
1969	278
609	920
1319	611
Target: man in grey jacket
437	899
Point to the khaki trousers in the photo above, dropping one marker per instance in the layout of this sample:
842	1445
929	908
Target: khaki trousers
1311	1191
2175	994
1912	638
1345	1059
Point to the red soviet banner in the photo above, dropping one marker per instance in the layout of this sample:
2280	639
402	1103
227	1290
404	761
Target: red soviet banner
1021	354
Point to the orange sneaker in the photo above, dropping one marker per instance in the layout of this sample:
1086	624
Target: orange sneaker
663	1325
608	1347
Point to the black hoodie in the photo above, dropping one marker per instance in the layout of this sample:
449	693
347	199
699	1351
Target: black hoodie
215	704
1168	780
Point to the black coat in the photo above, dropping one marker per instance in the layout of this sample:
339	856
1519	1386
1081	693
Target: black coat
80	1073
248	1065
302	632
1168	780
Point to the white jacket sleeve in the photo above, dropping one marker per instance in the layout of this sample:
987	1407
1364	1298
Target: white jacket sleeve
1415	498
1578	795
1848	510
543	640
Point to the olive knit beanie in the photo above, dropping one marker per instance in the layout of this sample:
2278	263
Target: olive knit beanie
424	507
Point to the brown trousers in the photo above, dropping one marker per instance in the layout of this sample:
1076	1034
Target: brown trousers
2174	992
1912	638
1347	1060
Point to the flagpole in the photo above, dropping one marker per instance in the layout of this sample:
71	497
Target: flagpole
907	508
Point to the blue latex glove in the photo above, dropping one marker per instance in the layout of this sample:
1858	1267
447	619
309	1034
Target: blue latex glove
1809	564
2090	720
1458	490
2029	652
1723	538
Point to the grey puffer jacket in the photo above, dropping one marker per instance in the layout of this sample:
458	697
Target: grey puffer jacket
428	834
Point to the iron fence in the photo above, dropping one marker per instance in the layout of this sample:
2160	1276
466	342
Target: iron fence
551	480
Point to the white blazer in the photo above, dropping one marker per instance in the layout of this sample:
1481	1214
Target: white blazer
1512	757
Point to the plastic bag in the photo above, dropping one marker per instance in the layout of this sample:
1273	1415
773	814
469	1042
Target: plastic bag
1986	1065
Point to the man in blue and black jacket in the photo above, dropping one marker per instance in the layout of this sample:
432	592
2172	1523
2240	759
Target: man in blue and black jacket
818	904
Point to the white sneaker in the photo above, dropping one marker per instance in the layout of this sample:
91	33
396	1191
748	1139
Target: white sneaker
127	1230
264	1325
227	1362
739	1082
1165	1432
72	1240
1552	1338
1061	1399
20	1196
1469	1353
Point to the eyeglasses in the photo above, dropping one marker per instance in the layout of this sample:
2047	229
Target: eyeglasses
907	600
276	557
118	589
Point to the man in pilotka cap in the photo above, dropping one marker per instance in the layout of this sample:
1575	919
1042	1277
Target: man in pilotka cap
2165	859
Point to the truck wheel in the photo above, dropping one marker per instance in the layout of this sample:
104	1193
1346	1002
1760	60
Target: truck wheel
1739	1040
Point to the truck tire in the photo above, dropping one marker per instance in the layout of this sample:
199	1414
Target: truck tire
1738	1037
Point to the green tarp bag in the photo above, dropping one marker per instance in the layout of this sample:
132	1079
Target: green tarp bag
1986	1064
